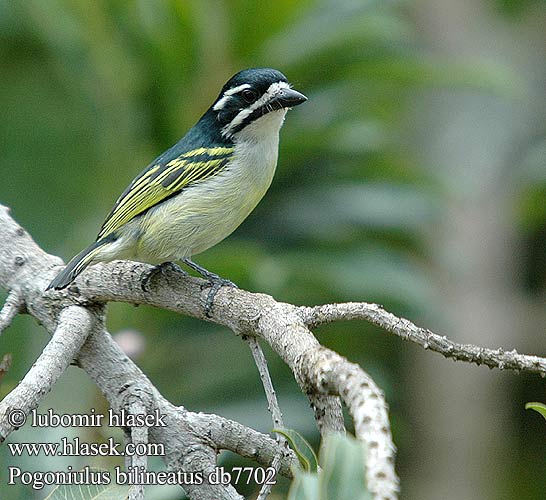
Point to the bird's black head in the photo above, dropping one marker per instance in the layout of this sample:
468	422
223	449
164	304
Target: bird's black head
250	95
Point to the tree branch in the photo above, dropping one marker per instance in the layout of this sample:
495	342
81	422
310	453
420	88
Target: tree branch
248	443
75	323
243	312
189	442
281	325
122	382
272	405
139	436
12	307
405	329
255	314
192	440
271	396
366	404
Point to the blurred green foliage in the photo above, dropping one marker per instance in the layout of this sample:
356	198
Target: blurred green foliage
92	91
342	473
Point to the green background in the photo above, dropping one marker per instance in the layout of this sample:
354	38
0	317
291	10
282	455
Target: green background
413	177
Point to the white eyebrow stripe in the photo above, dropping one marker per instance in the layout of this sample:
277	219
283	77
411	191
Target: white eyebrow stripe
270	93
234	90
227	95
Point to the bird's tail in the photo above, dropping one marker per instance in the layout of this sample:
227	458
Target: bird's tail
76	266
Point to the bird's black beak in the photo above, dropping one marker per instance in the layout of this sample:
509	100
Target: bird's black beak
288	98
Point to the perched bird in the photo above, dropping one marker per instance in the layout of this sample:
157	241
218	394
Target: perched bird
200	190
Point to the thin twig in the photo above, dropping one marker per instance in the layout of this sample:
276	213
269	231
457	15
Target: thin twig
139	436
261	363
272	405
12	306
405	329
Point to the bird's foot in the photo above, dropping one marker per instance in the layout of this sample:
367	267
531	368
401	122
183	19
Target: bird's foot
215	282
161	269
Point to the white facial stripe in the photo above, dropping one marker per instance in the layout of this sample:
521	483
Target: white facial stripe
234	90
270	93
227	95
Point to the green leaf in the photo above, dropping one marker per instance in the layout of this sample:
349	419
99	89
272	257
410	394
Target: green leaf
110	491
303	450
342	476
304	487
540	407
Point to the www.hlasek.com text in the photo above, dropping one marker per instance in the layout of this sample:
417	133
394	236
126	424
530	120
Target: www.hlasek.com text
77	448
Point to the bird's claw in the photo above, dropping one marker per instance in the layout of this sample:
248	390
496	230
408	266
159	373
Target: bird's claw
215	282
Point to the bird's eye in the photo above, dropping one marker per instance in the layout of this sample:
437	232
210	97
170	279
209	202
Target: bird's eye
249	95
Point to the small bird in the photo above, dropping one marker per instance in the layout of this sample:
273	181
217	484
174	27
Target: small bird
201	189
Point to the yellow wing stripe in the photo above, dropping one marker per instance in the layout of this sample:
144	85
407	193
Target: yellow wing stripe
151	193
163	180
145	177
209	151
